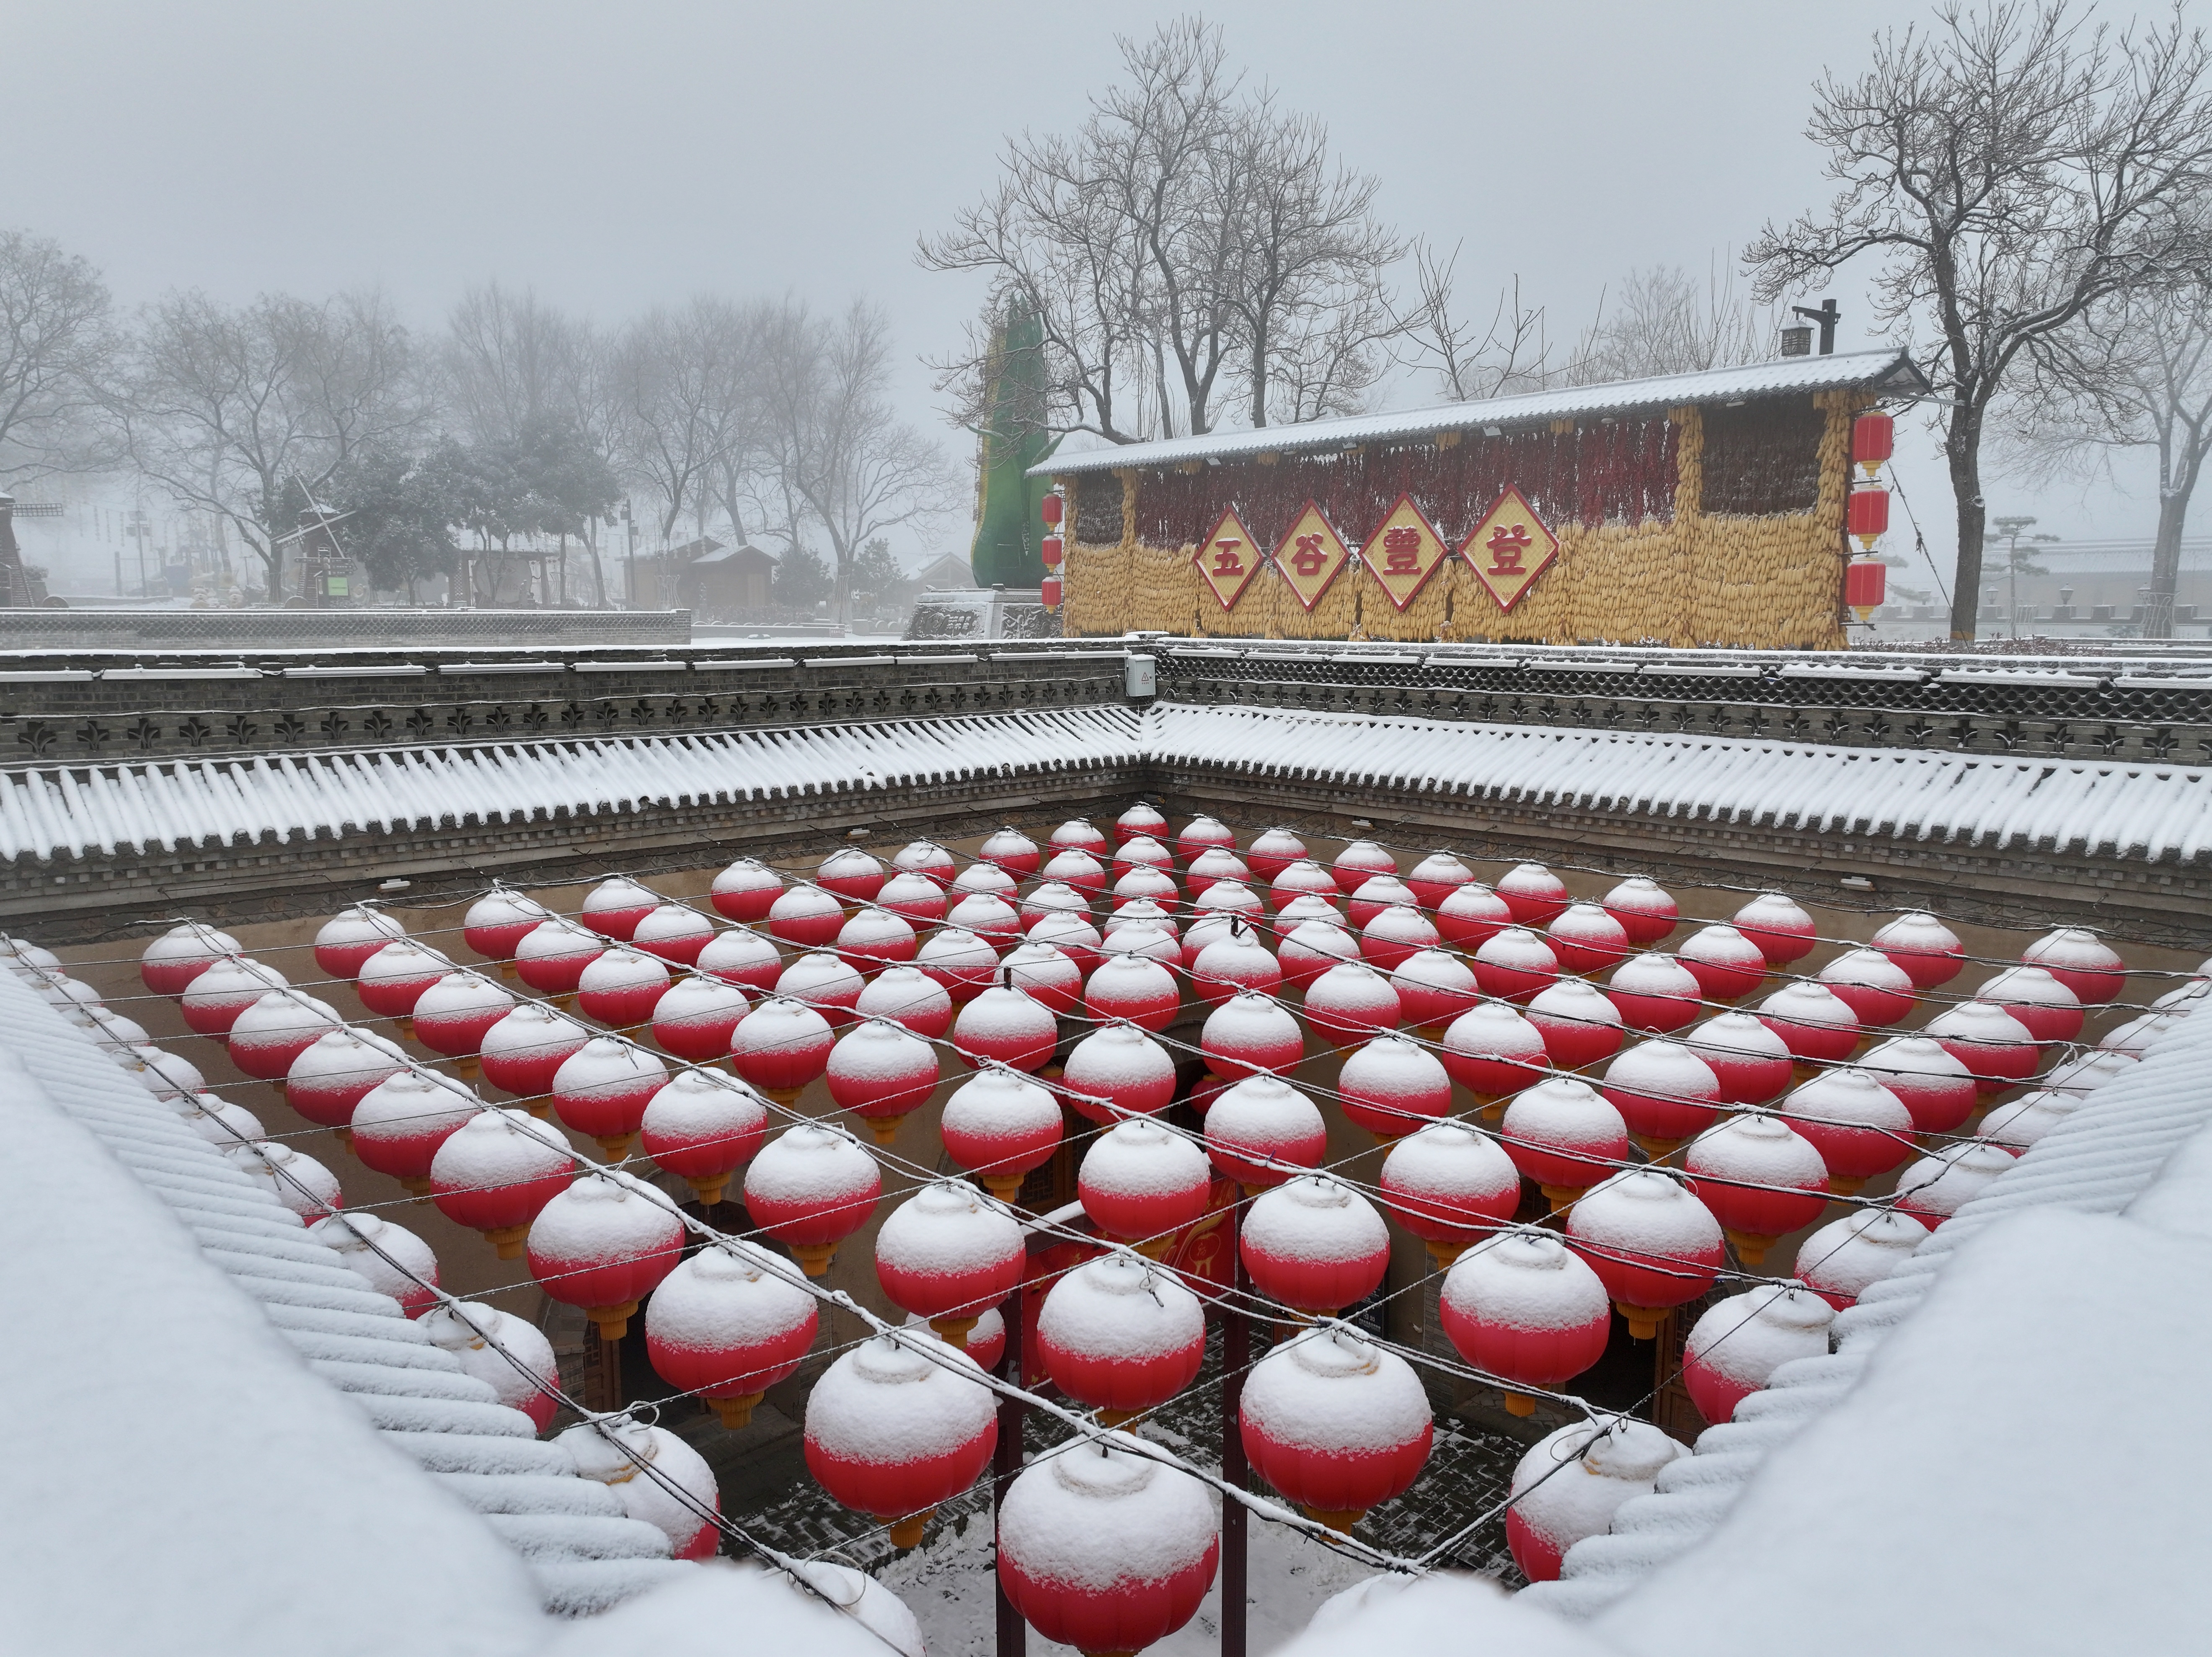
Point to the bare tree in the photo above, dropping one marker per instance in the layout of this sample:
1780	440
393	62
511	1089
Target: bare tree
2010	169
1510	353
57	352
684	381
1664	321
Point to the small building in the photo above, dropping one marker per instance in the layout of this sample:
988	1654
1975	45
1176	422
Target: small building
949	573
1687	510
726	579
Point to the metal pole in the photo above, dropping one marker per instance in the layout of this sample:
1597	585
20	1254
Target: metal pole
1236	1354
1006	1462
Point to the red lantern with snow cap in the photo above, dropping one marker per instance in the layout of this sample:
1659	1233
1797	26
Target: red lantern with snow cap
695	1019
1436	878
1396	934
601	1091
882	1072
1652	1243
614	1450
1554	1509
1233	963
454	1015
622	988
1273	851
1586	938
1133	988
1251	1035
782	1047
1012	851
1304	878
2017	1123
1513	964
1359	863
2077	958
2051	1010
1046	973
1754	1064
743	958
928	860
1213	866
1735	1349
1142	851
1337	1425
1579	1025
1005	1025
1000	1127
394	1259
1654	992
674	933
745	891
726	1325
614	907
1859	1126
893	1433
1448	1185
1079	872
1121	1336
220	1122
604	1244
292	1177
552	956
1434	988
219	992
1727	965
703	1127
1141	1183
1781	929
497	1171
1262	1130
1646	912
1374	895
1315	1245
1761	1179
1933	1085
523	1050
1138	819
948	1253
277	1029
1491	1050
1527	1309
962	962
914	898
1816	1025
1073	936
489	1344
1226	898
168	965
329	1078
1390	1086
1077	833
1563	1134
851	874
1997	1049
1312	948
1115	1071
983	877
810	1188
1664	1092
1935	1187
1535	895
1928	949
350	936
1349	1004
400	1122
1053	897
1870	983
807	917
1842	1258
1147	886
1471	915
1202	834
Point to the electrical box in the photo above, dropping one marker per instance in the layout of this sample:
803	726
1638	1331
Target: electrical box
1143	675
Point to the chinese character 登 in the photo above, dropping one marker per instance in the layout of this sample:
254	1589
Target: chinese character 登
1506	545
1225	561
1309	558
1401	550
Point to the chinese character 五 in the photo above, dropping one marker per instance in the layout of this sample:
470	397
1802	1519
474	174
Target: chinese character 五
1225	561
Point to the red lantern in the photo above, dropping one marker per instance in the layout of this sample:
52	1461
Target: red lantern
1315	1245
1337	1425
908	996
454	1015
1142	851
1234	963
1251	1035
962	962
1760	1179
394	1259
1449	1185
1817	1026
914	897
523	1050
1514	963
1000	1127
1077	833
1225	898
1935	1187
1492	1051
805	918
1434	988
745	891
1780	929
1652	1244
613	907
1391	1086
1934	1086
674	933
1302	878
1012	851
1374	894
1117	1071
1138	819
1866	515
496	1171
1871	985
1586	938
949	1253
1359	863
1842	1258
604	1244
1273	851
1396	934
882	1072
1263	1130
2077	958
350	936
1526	1310
1646	913
1053	897
1664	1092
1121	1336
810	1188
504	1352
1046	973
1563	1134
1132	988
851	874
1472	915
1996	1049
1049	591
552	956
1727	965
1349	1004
1654	992
400	1122
1004	1025
173	960
601	1091
1579	1026
622	988
1212	866
1924	947
1873	437
1072	936
694	1020
874	939
1552	1509
328	1079
1312	948
1859	1126
893	1433
703	1127
1535	895
1051	507
726	1325
1141	1183
1436	878
613	1449
743	958
390	982
988	876
277	1029
782	1047
1752	1063
1866	586
2050	1011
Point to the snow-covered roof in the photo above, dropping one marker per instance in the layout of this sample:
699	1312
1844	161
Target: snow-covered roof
1888	372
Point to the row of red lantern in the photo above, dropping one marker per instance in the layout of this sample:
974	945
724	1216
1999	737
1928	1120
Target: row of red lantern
1051	548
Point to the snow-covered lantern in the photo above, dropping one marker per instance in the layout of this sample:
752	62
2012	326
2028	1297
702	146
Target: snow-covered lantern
1752	1063
1263	1130
552	956
1665	1094
1141	1183
393	1260
1142	851
622	988
1004	1026
805	918
2084	963
394	978
2085	1072
1337	1425
1140	819
495	1172
614	907
695	1019
168	965
1580	1027
962	962
851	875
350	936
914	898
948	1253
1351	1003
161	1073
1998	1050
1872	986
1117	1071
1315	1245
292	1177
1448	1185
1000	1127
2136	1036
604	1244
1312	948
1234	962
1645	910
1251	1034
400	1122
1012	851
1761	1179
745	891
823	981
1492	1051
675	933
1391	1086
617	1450
990	917
1859	1126
983	877
2051	1010
1202	834
1047	973
220	992
1434	987
497	922
743	958
1273	851
522	1051
781	1047
1155	887
1842	1258
1935	1187
1780	927
1735	1349
1652	1244
1396	934
1564	1135
1133	988
1436	878
1816	1025
1302	879
1213	866
602	1089
1223	898
1934	1086
1105	1549
454	1015
1472	915
881	1072
1929	952
928	860
277	1029
1654	992
702	1127
908	996
2017	1123
810	1188
1121	1336
509	1355
1526	1308
1053	897
331	1076
1587	938
220	1122
1358	863
1514	963
1072	935
892	1431
1535	895
1555	1506
1376	895
1077	832
1727	965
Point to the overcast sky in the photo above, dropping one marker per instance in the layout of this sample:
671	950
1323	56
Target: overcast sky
612	156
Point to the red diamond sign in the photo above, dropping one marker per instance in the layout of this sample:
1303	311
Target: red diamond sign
1228	558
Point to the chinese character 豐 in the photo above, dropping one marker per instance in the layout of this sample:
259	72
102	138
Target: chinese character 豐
1401	550
1506	545
1225	561
1309	558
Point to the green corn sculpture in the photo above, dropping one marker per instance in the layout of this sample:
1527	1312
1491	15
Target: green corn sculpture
1012	440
